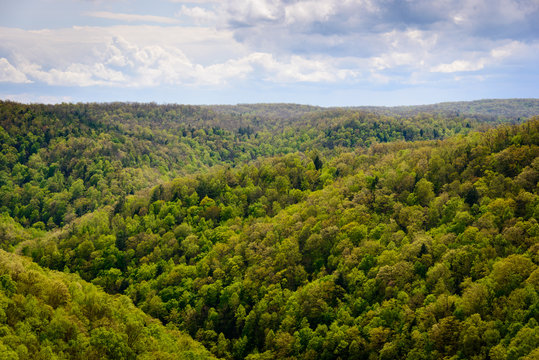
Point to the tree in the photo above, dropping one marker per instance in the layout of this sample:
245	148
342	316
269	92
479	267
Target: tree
424	191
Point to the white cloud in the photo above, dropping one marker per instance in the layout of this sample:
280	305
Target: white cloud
309	11
114	60
61	47
132	17
477	13
513	49
251	12
8	73
298	68
198	14
308	26
493	58
281	41
74	75
460	66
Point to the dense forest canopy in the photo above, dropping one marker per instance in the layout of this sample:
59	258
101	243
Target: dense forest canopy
52	315
70	159
510	109
270	231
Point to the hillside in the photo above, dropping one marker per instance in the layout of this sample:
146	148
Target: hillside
51	315
328	233
63	161
509	109
487	110
59	162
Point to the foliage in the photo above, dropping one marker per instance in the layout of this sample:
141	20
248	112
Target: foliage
51	315
348	235
58	162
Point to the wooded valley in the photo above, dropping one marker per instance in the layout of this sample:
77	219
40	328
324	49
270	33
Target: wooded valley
269	231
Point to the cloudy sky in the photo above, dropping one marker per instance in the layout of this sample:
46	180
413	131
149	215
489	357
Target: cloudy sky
330	52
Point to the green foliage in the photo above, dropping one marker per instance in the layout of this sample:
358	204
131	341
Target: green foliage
58	316
59	162
320	234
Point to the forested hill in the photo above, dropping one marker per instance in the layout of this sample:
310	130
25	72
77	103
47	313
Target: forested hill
488	109
50	315
331	234
509	109
58	162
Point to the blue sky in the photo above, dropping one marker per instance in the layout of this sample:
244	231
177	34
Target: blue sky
329	53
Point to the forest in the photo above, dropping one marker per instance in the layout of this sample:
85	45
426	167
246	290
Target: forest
269	231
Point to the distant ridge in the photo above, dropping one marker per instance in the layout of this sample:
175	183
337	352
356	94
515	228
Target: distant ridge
509	109
501	108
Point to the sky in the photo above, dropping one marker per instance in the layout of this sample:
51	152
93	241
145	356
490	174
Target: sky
327	53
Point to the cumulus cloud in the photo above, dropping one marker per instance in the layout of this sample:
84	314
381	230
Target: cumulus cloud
110	59
74	75
309	11
8	73
345	16
376	29
480	60
198	14
459	66
279	41
296	69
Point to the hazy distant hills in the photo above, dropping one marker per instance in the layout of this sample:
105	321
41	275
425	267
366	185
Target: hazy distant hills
510	109
499	108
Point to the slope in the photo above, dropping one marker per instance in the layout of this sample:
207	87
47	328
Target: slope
400	250
51	315
59	162
510	109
